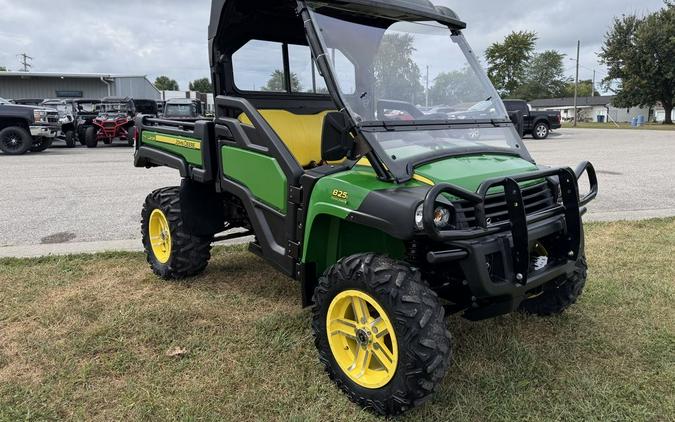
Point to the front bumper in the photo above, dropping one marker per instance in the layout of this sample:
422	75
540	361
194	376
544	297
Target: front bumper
44	131
495	259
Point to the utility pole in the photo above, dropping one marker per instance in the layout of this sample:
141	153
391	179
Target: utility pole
593	87
24	58
576	85
427	91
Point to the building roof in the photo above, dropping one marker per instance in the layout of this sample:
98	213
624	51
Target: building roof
68	75
602	100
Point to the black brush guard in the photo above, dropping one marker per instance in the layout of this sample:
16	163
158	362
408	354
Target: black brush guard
571	208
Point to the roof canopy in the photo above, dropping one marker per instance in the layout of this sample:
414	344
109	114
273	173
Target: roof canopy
278	14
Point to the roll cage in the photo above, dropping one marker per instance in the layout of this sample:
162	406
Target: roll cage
291	22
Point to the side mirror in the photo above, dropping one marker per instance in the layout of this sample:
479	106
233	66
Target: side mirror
336	141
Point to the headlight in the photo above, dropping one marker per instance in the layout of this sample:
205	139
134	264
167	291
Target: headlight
441	217
39	115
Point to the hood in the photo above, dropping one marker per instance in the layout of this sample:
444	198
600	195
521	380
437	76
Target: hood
470	171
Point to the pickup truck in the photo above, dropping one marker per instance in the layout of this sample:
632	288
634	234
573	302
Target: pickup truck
539	124
24	128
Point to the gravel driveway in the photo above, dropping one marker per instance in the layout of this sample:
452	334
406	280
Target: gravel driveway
81	200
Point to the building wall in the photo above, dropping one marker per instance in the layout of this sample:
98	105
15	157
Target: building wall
12	87
16	87
660	115
619	115
135	87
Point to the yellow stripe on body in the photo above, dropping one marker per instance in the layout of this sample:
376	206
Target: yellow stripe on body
177	141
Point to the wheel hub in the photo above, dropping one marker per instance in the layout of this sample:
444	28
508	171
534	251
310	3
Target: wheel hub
160	236
362	339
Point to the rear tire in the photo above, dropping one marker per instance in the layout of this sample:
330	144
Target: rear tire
185	255
540	131
418	354
560	295
90	137
15	140
70	139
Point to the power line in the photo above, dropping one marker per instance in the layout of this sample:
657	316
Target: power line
24	58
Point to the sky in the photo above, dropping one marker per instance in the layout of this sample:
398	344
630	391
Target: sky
169	37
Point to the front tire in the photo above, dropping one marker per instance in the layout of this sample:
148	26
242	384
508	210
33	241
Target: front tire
15	140
559	294
541	131
70	139
42	145
90	137
381	334
172	252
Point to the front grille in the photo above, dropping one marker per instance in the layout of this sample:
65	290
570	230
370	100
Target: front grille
52	119
109	124
536	198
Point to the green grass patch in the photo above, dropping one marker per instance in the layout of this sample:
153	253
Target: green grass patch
89	338
595	125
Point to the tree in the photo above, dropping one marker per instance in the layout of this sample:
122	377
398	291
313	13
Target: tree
584	89
456	87
277	82
544	77
201	85
3	69
164	83
640	55
397	76
507	61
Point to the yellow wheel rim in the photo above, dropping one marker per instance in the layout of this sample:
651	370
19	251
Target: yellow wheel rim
160	236
362	339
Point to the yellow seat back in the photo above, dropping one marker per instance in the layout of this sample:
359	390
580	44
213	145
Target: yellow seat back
300	132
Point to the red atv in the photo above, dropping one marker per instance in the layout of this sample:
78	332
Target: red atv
115	118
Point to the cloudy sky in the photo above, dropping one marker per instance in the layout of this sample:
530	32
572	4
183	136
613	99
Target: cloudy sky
154	37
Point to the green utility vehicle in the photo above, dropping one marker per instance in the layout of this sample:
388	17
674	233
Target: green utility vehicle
388	217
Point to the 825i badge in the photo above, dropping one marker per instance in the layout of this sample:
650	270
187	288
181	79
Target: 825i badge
340	195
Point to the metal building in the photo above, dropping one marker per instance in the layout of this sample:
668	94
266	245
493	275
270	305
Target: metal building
18	85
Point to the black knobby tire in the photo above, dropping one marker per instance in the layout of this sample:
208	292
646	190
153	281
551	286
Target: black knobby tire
189	254
42	145
90	137
70	139
540	130
424	344
559	294
15	140
81	135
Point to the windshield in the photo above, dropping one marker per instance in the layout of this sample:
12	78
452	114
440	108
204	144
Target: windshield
63	109
86	107
110	108
180	110
415	89
407	71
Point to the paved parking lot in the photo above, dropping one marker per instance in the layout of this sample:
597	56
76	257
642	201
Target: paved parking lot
84	200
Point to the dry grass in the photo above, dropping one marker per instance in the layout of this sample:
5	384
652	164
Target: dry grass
86	338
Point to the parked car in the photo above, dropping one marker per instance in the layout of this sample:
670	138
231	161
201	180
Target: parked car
85	113
146	107
24	128
114	119
66	112
183	109
539	124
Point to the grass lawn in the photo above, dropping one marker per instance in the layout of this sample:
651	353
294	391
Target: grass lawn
595	125
87	338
